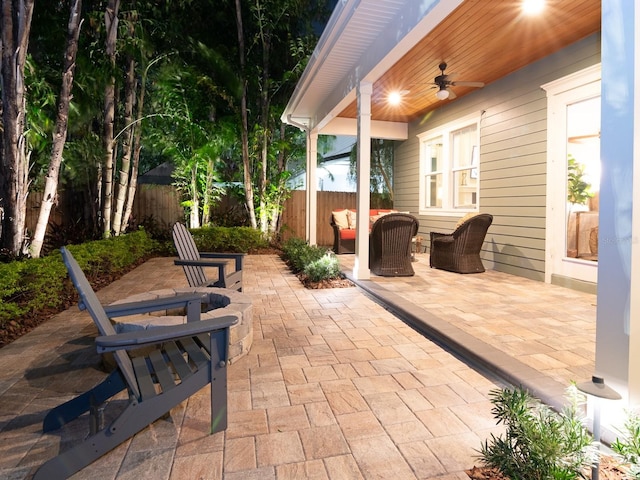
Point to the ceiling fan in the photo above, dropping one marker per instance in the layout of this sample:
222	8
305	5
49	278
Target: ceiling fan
444	83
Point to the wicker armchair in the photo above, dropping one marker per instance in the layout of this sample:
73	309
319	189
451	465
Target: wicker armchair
460	251
390	245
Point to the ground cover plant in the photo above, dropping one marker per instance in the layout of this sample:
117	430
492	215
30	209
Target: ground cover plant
539	443
317	267
627	446
32	290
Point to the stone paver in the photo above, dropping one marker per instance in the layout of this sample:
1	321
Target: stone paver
335	386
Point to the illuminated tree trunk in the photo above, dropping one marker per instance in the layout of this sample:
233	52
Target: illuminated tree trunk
60	133
248	185
15	19
111	24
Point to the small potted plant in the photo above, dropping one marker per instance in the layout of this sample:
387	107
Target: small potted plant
578	193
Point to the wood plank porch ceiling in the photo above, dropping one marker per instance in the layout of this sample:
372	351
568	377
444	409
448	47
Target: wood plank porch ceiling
480	41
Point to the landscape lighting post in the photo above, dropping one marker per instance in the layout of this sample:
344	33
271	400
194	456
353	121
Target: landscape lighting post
598	390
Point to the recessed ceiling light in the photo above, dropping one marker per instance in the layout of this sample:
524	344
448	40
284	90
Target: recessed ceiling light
533	7
394	98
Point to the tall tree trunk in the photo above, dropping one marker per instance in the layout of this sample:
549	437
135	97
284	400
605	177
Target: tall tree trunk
194	217
136	147
274	222
378	151
248	185
127	144
208	188
137	135
15	19
60	134
111	24
264	107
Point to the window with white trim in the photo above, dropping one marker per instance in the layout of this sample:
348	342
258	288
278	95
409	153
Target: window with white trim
449	167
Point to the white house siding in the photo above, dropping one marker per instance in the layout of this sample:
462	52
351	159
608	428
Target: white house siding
513	156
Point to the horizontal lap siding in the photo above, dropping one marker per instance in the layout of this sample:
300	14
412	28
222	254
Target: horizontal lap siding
513	143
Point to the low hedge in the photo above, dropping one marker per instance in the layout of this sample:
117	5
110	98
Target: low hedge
317	263
33	285
228	239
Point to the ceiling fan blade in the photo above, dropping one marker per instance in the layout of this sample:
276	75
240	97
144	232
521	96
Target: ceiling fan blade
452	94
468	84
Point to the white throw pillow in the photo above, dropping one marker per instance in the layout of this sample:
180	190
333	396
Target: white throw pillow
340	218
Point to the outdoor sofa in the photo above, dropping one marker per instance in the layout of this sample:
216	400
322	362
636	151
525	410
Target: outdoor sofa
343	222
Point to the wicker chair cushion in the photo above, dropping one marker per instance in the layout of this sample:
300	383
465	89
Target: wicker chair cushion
465	218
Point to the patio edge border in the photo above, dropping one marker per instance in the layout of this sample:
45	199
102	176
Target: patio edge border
476	352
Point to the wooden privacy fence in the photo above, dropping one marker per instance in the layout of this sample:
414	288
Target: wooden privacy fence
162	203
295	211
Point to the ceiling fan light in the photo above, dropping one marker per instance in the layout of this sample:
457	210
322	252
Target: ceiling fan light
442	94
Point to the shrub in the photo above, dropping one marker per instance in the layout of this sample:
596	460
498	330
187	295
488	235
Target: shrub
228	239
38	284
325	268
298	254
316	263
627	448
538	443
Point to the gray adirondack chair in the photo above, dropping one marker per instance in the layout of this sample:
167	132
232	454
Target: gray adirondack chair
182	360
193	262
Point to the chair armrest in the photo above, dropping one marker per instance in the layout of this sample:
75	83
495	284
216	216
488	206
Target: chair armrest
153	336
157	304
238	257
443	239
438	237
200	263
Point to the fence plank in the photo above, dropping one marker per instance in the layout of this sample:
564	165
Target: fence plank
161	202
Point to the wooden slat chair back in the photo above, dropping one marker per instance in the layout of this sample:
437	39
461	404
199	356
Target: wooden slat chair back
193	262
160	367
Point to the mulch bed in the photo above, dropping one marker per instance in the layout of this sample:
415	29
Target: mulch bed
333	283
609	470
485	473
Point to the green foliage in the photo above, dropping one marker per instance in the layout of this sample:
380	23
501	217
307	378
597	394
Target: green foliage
39	283
382	158
325	268
539	443
228	239
577	189
317	263
628	447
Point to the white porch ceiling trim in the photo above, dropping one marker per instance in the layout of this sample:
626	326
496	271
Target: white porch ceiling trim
361	41
379	129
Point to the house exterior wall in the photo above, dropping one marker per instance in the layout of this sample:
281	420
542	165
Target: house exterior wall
513	155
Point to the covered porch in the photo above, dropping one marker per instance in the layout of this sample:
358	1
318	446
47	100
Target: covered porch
373	49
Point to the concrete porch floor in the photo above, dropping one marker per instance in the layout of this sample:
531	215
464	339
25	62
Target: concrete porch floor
335	386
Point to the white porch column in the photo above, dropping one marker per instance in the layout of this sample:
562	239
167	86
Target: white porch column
363	173
312	187
618	311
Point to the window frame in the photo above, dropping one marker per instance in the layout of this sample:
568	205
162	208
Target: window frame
449	166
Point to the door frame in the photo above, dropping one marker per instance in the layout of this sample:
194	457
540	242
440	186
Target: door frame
567	90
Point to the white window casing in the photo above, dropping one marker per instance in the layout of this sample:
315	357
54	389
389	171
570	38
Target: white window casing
450	167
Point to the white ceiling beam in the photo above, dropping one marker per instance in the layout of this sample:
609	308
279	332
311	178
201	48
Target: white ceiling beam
379	129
